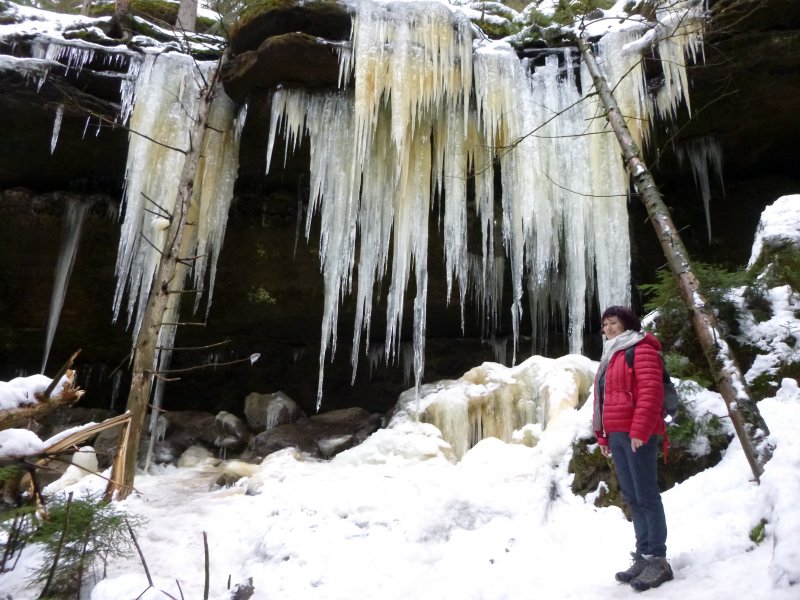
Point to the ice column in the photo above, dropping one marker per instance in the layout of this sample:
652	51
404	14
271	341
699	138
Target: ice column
71	230
609	215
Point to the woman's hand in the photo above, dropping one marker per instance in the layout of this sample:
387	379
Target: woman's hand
605	451
636	443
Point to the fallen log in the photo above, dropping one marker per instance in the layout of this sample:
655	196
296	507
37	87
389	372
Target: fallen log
45	402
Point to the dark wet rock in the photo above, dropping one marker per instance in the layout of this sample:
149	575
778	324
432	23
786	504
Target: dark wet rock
324	19
321	436
231	434
292	59
267	411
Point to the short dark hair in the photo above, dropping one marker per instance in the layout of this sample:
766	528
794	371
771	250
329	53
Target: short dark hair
625	315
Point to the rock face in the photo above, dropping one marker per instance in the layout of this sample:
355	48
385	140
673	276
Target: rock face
268	296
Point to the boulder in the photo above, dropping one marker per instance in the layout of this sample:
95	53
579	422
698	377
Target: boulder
322	436
230	432
267	411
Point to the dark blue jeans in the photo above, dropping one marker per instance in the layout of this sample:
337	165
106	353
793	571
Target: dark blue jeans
638	480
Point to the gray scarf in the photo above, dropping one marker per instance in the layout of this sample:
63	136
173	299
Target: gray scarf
624	340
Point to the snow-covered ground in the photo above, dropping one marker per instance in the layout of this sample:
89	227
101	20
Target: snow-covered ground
395	519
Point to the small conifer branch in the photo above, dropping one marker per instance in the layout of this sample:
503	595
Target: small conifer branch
53	567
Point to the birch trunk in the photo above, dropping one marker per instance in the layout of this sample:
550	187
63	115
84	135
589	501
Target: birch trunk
169	280
745	416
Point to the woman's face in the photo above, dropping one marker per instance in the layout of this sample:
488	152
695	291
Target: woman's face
612	327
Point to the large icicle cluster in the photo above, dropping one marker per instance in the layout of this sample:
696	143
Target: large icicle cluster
162	111
429	110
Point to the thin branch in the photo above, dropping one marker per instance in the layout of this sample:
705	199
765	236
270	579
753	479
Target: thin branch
222	343
61	371
119	366
157	205
199	367
141	554
207	566
162	378
577	193
151	244
69	95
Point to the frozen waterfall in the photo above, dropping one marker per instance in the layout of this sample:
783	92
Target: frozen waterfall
510	404
428	110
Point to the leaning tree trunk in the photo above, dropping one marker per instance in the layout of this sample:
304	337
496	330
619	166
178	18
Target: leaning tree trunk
121	20
745	416
168	281
187	16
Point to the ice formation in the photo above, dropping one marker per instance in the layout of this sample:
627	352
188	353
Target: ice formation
704	155
56	127
163	106
75	215
427	111
494	401
165	95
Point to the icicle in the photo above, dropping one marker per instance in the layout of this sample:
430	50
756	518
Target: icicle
408	362
500	87
127	86
76	56
116	384
486	290
218	174
500	349
680	32
74	219
56	127
375	354
609	180
703	153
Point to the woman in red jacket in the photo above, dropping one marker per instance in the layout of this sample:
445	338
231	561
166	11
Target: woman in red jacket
628	422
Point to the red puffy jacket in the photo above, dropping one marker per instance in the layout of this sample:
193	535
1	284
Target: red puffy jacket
634	397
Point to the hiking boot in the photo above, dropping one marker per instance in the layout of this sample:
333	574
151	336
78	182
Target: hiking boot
656	572
638	564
